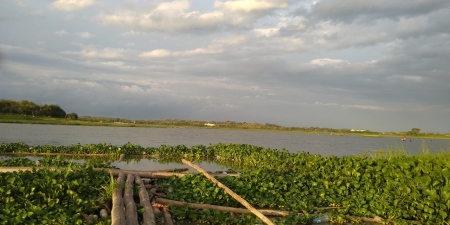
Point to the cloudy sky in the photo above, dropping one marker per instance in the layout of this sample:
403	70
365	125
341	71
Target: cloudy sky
381	65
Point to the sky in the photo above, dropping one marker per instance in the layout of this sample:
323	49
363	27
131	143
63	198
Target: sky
380	65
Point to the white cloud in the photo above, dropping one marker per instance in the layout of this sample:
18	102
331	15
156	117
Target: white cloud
266	32
366	107
406	78
326	61
85	35
93	52
235	40
118	64
158	53
162	53
216	47
325	104
61	33
171	17
132	89
131	33
72	5
249	6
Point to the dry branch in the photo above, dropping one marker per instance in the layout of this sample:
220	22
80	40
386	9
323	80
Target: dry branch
219	208
117	213
148	215
122	157
130	205
153	191
230	192
174	170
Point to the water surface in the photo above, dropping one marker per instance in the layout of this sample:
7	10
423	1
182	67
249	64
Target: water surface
37	134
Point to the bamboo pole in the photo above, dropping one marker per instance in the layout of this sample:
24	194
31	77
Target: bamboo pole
149	216
167	217
130	205
117	213
230	192
265	212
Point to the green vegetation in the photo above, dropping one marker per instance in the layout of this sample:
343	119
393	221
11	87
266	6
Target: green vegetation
25	107
50	196
400	188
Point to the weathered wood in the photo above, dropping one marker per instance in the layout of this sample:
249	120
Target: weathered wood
153	191
148	215
130	206
157	174
174	170
167	217
230	192
157	212
117	212
143	174
122	157
219	208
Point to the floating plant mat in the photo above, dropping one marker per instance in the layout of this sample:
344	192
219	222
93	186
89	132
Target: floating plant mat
398	187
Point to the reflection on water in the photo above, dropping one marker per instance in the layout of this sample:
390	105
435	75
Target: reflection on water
154	164
131	163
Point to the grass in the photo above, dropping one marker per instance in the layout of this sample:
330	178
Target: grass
108	190
400	152
9	118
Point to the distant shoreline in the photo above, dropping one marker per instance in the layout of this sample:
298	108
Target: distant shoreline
20	119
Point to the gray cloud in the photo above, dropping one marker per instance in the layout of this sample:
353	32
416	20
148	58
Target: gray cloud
379	65
359	9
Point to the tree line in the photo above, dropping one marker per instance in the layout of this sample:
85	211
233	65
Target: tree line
26	108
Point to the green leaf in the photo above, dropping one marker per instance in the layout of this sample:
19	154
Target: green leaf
443	214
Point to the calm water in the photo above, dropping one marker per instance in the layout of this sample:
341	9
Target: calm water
34	134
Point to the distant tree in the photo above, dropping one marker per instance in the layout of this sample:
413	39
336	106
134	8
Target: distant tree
72	116
52	111
414	131
8	106
27	108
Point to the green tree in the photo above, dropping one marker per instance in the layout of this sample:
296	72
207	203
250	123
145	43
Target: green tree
27	108
414	131
52	111
72	116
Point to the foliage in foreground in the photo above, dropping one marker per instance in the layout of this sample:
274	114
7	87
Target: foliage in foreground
398	187
49	196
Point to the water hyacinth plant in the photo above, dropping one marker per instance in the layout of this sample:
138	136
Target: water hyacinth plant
398	187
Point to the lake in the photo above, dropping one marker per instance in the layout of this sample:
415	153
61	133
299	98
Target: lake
324	144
